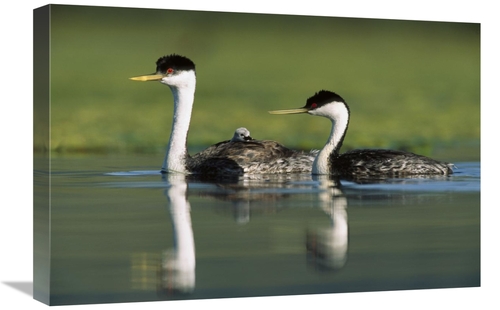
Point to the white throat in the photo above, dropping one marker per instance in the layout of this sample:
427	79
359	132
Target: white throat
183	92
339	115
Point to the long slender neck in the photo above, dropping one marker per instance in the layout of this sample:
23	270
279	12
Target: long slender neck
175	159
321	163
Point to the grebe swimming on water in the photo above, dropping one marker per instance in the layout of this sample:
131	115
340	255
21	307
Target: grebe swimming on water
359	163
228	157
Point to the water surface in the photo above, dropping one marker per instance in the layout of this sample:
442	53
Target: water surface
120	231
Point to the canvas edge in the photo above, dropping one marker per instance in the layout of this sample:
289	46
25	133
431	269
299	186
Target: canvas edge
41	156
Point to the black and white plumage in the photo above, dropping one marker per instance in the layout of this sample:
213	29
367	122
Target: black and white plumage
363	162
227	157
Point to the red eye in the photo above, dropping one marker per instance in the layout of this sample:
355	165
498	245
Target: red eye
313	106
170	70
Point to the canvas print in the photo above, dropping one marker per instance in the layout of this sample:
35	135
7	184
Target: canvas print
183	155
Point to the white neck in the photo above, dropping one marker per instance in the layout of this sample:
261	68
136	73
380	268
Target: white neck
339	116
175	159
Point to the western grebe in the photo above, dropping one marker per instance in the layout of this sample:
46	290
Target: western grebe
248	157
359	163
241	134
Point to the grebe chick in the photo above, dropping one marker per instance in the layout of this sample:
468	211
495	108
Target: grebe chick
360	163
235	158
241	134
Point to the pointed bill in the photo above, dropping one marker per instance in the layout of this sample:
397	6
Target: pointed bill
290	111
149	77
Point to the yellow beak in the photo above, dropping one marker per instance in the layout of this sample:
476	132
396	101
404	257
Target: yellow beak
149	77
290	111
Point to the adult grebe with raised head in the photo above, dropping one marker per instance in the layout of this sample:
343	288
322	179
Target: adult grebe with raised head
363	162
228	157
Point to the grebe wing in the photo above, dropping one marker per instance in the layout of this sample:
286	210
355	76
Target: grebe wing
257	150
227	148
256	156
389	162
213	166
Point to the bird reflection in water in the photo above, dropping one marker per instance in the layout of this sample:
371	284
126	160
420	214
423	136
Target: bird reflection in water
327	247
254	194
177	271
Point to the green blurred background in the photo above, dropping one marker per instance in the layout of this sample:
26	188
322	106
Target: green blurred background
410	85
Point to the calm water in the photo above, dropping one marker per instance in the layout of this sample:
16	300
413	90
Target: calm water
123	232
